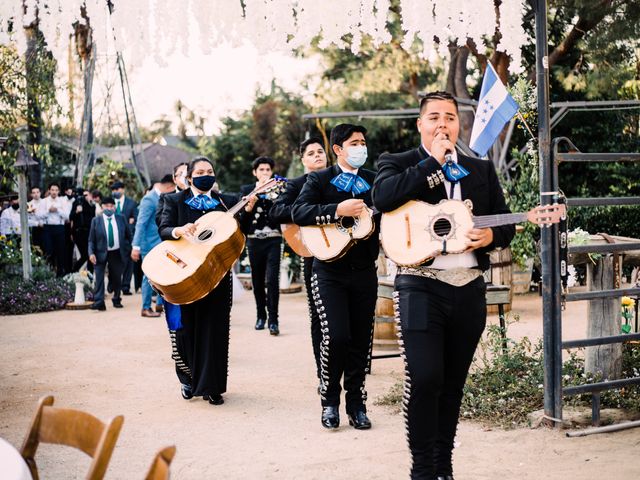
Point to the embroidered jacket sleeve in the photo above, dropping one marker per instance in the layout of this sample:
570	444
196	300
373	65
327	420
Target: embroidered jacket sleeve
401	178
308	208
281	210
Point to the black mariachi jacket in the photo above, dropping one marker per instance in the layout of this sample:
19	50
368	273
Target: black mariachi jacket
405	176
176	213
317	204
281	209
259	217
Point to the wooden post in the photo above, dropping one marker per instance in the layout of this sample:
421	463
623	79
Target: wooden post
24	225
604	320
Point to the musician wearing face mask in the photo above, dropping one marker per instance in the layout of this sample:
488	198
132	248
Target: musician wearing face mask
345	289
313	158
264	243
202	327
440	306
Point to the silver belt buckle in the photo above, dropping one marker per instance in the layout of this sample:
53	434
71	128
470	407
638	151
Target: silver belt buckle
261	235
458	276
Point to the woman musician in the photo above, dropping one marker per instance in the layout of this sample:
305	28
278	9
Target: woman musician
203	340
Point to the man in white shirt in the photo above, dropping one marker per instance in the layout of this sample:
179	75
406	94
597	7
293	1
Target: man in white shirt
10	219
35	222
54	212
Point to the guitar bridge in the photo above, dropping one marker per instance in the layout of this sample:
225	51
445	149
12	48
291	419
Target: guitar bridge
175	259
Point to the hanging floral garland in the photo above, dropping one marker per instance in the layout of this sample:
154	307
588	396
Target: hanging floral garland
157	28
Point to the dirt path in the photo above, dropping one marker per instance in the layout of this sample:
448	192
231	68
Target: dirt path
116	362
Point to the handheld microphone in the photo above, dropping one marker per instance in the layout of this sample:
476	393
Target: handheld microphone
448	156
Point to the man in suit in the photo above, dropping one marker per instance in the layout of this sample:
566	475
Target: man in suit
109	244
440	306
146	237
313	158
126	207
180	182
83	211
264	242
344	290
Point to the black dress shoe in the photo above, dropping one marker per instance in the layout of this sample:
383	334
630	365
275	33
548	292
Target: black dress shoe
98	306
215	399
330	417
186	392
359	420
274	330
127	292
444	477
117	304
260	324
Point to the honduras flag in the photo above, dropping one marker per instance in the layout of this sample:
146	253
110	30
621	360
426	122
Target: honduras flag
495	108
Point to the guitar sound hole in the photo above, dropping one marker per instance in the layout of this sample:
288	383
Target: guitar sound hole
205	235
442	227
347	222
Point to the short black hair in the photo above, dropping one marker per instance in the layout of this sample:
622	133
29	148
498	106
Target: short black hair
175	169
307	142
438	95
341	132
195	161
96	194
168	178
260	160
108	200
116	185
54	184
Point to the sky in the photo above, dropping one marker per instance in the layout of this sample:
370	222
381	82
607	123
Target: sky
214	86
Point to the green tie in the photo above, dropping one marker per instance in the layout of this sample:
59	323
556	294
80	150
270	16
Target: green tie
110	233
118	208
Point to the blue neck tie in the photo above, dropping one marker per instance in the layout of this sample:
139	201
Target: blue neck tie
202	202
350	182
453	171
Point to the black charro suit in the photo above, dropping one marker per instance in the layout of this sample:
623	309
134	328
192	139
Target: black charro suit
281	213
264	256
344	290
440	324
202	344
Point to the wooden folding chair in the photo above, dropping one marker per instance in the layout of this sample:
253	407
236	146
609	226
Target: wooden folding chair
160	467
73	428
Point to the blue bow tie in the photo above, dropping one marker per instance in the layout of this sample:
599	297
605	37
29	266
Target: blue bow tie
350	182
454	172
202	202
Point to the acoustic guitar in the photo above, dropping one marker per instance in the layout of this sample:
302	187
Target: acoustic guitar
330	242
293	237
187	269
418	231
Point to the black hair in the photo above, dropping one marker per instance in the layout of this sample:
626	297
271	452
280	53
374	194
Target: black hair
168	178
341	132
96	193
193	163
439	95
175	169
260	160
307	142
54	184
108	200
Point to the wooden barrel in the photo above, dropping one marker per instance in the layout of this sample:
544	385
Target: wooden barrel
501	274
384	330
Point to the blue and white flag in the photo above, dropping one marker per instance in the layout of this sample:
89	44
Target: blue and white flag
495	108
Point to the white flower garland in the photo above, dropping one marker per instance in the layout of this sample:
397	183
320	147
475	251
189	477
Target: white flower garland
156	28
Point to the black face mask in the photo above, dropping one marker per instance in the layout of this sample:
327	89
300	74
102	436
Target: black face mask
15	206
204	183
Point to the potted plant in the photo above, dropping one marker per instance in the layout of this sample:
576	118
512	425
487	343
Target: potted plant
81	280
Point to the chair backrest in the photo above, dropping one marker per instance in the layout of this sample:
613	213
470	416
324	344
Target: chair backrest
73	428
160	467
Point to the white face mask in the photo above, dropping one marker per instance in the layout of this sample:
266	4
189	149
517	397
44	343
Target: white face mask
357	156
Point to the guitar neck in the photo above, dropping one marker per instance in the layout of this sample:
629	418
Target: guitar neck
237	207
486	221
